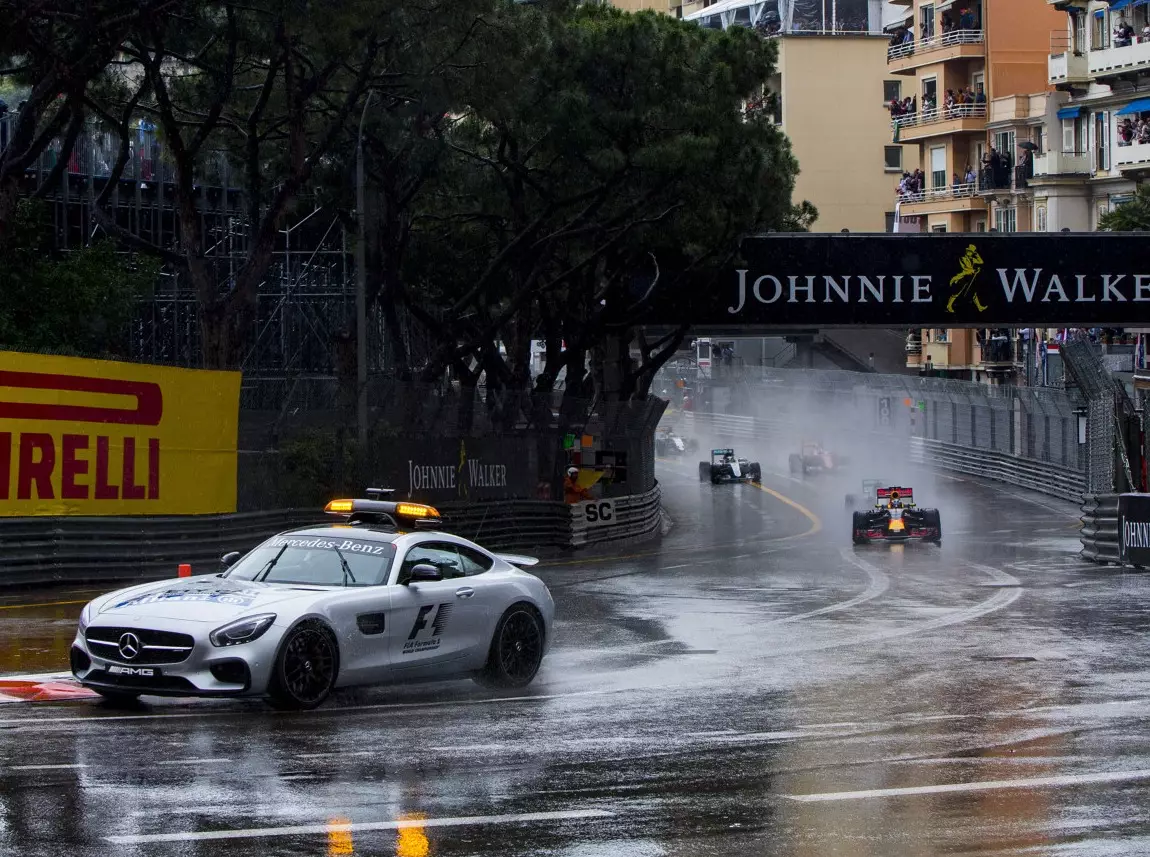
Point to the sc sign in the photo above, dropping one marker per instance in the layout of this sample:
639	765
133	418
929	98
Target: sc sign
598	513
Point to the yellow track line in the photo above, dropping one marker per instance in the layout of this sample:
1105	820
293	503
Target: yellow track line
40	604
816	522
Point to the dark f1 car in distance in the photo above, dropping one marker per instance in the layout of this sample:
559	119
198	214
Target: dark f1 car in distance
868	497
895	518
725	467
667	442
813	458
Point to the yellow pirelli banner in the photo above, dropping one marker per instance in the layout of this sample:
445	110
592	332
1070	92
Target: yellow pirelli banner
95	437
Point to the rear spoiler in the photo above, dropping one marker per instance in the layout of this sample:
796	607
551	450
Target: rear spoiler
515	559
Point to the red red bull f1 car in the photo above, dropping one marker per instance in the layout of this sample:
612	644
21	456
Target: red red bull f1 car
895	518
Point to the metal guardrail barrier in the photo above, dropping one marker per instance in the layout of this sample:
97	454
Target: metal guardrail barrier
1001	466
80	550
636	517
1099	535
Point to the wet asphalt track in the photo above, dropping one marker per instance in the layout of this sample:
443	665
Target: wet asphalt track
750	686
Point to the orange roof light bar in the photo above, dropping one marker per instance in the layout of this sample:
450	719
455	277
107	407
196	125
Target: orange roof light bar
416	510
340	507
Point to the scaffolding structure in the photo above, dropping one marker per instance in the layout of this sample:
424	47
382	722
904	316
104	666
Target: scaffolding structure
306	302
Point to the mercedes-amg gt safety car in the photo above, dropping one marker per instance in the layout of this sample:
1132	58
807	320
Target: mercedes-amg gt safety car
724	466
895	518
382	597
667	442
813	458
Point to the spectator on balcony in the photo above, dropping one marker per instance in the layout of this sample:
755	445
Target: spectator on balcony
949	25
1145	37
1126	132
1143	132
1123	35
969	177
967	20
980	96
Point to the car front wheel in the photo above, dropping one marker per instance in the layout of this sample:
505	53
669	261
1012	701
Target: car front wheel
305	669
119	698
516	649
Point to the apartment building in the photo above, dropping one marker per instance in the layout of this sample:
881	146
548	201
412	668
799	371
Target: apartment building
829	78
951	59
1100	58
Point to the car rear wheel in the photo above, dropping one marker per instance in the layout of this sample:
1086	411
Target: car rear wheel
933	518
516	649
704	471
858	525
305	669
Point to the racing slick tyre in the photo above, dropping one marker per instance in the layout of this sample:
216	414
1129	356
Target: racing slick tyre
933	518
305	667
858	524
756	473
516	649
704	471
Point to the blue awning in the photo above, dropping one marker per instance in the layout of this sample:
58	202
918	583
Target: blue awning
1099	14
1142	105
1119	5
1069	112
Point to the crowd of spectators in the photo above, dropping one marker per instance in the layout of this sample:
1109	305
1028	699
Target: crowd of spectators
961	100
912	184
1131	131
966	19
957	102
996	169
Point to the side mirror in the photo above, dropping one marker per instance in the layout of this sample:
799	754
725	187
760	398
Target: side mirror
424	573
230	559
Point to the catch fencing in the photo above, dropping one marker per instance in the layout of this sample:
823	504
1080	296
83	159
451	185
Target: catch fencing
70	550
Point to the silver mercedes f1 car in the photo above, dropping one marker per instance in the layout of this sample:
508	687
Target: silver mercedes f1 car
320	608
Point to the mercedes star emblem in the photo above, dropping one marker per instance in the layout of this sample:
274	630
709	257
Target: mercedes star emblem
129	646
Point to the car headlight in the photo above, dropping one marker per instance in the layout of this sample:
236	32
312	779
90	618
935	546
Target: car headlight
242	630
85	616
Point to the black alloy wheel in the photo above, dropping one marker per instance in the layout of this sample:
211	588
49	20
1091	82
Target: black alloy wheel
305	671
516	649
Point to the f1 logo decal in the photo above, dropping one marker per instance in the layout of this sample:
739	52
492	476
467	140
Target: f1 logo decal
437	625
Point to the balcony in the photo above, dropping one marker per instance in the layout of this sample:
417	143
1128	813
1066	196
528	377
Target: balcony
1120	61
940	121
1067	68
939	200
997	354
1062	164
1134	157
957	44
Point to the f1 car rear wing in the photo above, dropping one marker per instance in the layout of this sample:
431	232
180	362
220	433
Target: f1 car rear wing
722	452
895	493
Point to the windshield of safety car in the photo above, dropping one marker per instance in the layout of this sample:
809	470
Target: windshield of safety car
317	561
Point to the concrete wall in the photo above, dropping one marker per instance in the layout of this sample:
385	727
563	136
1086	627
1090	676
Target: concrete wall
1018	44
832	93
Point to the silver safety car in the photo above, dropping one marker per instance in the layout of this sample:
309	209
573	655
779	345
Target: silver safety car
380	597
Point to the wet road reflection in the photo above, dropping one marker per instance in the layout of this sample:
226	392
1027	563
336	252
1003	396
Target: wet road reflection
752	685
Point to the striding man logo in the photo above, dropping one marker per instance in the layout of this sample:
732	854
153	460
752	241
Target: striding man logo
962	283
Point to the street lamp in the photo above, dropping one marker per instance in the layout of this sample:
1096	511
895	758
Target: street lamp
361	287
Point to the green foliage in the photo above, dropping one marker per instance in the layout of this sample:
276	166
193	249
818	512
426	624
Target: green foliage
79	302
1130	216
